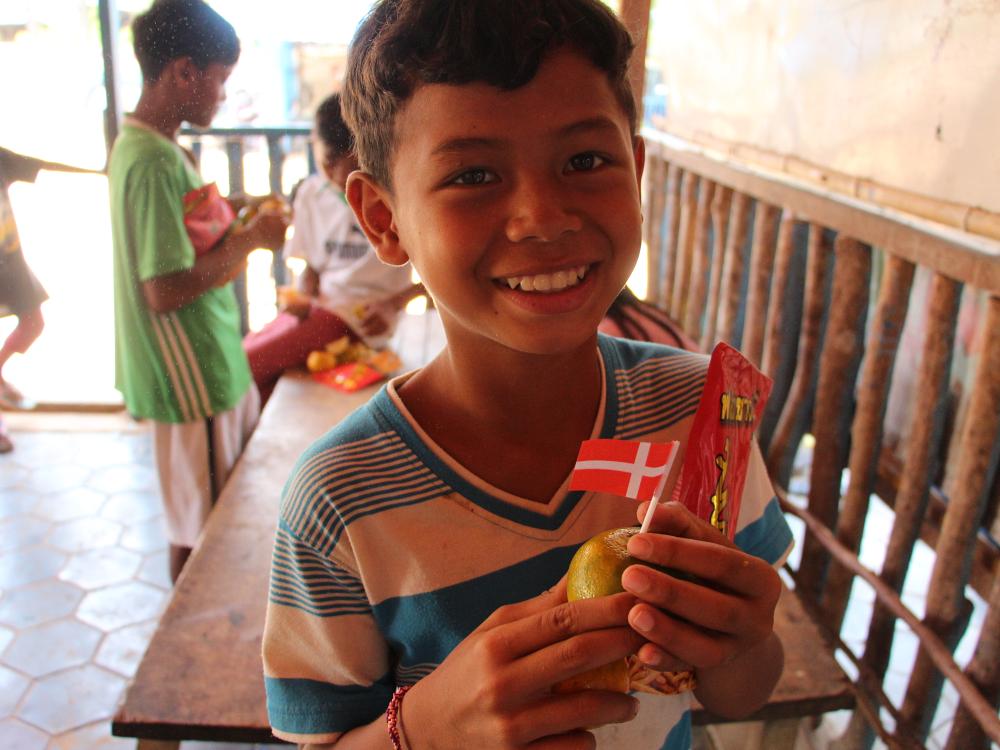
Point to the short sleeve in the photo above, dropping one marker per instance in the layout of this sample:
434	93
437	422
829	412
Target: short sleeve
155	195
327	666
761	529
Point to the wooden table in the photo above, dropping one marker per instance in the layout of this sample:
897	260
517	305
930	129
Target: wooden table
201	677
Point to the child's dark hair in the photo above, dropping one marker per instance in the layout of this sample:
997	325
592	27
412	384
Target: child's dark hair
404	43
171	29
331	128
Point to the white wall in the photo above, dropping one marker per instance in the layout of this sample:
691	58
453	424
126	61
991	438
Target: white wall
905	92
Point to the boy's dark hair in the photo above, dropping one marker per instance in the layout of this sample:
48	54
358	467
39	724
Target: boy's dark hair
171	29
331	128
404	43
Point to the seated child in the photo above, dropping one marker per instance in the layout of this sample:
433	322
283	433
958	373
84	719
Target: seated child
417	584
346	289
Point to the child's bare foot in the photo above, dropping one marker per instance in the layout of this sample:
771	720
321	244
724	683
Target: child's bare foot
12	398
6	445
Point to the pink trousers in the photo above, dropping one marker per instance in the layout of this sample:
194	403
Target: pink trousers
286	341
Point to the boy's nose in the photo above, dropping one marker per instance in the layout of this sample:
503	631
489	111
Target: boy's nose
537	212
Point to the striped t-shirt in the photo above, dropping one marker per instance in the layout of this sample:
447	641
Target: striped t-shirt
183	365
388	553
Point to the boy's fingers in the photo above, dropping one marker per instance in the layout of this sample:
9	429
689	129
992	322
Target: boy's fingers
687	643
725	567
556	716
674	519
519	610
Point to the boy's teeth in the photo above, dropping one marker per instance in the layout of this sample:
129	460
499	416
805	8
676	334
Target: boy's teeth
545	282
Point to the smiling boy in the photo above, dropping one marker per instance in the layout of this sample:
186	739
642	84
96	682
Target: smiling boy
421	542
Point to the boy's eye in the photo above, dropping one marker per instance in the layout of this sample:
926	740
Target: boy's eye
586	162
474	177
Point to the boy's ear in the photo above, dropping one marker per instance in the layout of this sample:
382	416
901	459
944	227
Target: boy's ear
639	154
373	207
182	71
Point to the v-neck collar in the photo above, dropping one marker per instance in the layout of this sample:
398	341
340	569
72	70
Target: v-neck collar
480	496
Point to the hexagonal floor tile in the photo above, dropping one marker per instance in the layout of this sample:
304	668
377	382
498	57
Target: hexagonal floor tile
147	536
84	534
12	474
93	737
122	649
155	569
14	502
38	603
57	478
78	502
101	567
22	531
52	647
130	507
23	566
123	479
71	699
12	687
120	605
17	734
109	449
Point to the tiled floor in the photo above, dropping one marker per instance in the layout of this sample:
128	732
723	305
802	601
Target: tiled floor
83	577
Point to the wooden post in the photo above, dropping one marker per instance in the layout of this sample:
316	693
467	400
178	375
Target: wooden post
866	431
759	291
945	596
919	467
655	199
732	270
685	245
783	255
788	431
721	203
670	242
635	16
694	304
834	399
984	671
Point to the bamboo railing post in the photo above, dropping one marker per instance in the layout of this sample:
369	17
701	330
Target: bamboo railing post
656	198
787	432
694	302
783	255
984	670
918	464
721	203
866	431
761	264
665	283
731	288
953	559
834	399
685	245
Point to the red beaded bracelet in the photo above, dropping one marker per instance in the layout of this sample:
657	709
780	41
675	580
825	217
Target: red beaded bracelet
392	716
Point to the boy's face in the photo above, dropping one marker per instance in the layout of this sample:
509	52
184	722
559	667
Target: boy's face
519	209
207	92
335	166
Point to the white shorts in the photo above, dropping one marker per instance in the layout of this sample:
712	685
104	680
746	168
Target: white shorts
193	468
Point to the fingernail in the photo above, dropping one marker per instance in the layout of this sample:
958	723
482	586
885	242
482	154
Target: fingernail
642	621
635	580
640	546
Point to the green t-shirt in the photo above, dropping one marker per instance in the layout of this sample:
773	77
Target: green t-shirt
187	364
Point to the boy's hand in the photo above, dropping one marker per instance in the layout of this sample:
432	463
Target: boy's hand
374	324
267	229
689	624
494	689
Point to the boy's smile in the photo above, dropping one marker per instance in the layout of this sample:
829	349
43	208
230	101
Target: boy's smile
519	209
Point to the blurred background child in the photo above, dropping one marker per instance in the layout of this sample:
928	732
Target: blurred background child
345	289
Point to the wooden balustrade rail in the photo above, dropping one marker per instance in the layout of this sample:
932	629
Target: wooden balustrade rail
817	289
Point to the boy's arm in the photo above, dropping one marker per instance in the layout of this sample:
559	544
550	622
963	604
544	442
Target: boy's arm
170	292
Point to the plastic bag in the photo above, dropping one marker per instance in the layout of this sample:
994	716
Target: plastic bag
207	217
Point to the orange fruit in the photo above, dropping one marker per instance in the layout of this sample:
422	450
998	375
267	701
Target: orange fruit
596	570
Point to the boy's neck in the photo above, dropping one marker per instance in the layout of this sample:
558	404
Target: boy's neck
159	113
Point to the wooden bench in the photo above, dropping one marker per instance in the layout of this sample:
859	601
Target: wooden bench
201	677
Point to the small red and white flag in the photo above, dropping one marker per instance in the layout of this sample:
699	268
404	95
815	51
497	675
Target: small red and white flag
623	467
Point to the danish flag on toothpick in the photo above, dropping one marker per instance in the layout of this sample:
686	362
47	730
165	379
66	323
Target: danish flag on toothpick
622	467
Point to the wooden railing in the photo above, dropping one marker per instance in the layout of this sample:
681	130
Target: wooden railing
279	142
815	288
